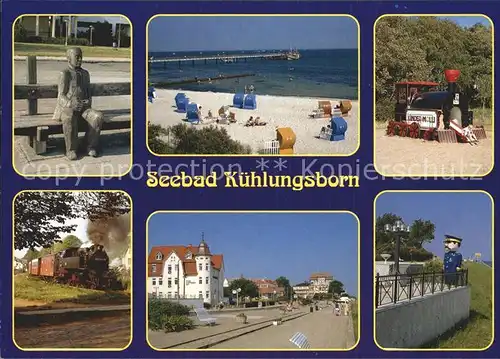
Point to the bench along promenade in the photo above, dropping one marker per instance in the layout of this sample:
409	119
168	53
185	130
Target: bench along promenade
38	138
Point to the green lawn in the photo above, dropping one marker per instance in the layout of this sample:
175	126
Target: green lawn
28	288
27	49
477	333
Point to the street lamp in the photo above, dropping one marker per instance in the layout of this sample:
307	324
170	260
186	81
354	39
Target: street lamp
399	229
237	292
275	297
91	29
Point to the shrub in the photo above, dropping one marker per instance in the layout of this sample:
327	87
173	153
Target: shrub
176	323
207	305
20	33
159	309
435	265
183	139
384	110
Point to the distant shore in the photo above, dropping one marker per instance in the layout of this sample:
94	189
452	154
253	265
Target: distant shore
277	111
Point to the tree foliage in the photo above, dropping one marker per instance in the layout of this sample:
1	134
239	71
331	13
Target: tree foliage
40	217
411	246
183	139
421	48
336	287
285	283
248	288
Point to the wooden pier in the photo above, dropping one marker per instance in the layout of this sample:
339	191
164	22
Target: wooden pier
220	58
199	80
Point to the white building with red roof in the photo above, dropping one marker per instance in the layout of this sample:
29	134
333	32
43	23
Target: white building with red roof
186	272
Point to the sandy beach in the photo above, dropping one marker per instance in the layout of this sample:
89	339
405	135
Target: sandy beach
398	156
276	111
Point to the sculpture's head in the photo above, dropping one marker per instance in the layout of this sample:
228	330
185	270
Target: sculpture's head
451	243
75	57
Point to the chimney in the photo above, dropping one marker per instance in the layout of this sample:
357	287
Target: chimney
452	77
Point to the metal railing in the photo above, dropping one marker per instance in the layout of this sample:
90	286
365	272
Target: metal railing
394	288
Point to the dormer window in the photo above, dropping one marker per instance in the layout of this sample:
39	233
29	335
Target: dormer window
159	256
189	255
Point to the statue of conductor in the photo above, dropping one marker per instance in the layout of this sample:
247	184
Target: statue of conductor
452	259
74	104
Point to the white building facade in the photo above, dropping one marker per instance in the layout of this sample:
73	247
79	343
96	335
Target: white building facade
320	282
186	272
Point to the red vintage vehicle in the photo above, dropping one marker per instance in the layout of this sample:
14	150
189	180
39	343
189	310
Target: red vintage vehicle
422	110
87	267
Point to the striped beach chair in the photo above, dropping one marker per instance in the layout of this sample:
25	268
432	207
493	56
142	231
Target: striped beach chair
300	340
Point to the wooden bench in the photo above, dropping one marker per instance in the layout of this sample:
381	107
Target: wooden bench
204	316
39	126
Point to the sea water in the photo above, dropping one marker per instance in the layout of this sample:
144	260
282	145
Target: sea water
318	73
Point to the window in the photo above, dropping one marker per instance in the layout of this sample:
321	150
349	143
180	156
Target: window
153	268
200	266
169	269
206	280
188	255
207	294
200	280
154	281
206	266
160	294
160	281
200	294
176	267
169	295
169	283
176	295
159	256
176	281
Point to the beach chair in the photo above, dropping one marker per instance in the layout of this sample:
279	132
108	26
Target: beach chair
300	340
325	133
204	316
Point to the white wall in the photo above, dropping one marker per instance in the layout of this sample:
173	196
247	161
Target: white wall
419	321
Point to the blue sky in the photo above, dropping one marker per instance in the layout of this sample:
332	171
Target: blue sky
269	245
466	215
467	21
214	33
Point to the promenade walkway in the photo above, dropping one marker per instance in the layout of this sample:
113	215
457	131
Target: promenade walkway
323	330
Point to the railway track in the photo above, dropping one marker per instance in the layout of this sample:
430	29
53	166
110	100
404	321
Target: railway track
209	341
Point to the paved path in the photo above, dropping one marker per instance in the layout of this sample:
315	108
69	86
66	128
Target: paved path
322	329
48	71
225	322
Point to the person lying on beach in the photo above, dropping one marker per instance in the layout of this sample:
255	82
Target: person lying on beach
255	122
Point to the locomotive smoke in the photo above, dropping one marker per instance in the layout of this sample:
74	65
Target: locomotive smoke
112	233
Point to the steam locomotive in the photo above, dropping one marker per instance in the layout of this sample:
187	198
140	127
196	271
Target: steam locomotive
421	107
86	267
